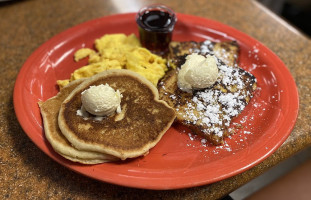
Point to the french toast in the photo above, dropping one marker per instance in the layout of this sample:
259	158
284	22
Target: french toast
142	122
209	112
227	51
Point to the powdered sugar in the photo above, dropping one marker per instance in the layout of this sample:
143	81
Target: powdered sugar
232	144
215	107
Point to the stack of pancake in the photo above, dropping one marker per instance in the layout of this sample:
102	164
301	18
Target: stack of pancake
133	132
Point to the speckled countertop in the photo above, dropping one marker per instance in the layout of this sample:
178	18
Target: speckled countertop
27	173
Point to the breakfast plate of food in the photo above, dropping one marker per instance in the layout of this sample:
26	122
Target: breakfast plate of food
97	101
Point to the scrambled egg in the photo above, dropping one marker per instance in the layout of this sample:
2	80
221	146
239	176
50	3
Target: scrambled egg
149	65
118	51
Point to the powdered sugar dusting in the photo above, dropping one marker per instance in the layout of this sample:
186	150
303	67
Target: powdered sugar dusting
215	107
231	145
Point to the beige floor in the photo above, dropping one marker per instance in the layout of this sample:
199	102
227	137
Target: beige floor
291	179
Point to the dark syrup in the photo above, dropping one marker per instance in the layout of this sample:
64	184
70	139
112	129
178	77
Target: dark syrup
155	30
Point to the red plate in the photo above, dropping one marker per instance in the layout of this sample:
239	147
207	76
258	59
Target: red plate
178	160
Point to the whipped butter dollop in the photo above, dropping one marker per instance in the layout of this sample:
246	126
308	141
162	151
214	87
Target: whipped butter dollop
197	72
101	100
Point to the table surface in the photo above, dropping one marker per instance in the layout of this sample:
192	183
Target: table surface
26	172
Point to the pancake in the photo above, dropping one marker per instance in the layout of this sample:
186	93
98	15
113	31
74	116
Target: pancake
139	127
49	111
209	112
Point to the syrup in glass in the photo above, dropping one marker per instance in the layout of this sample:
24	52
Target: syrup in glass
156	24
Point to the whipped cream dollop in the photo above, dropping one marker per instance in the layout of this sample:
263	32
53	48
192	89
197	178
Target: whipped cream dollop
197	72
101	100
